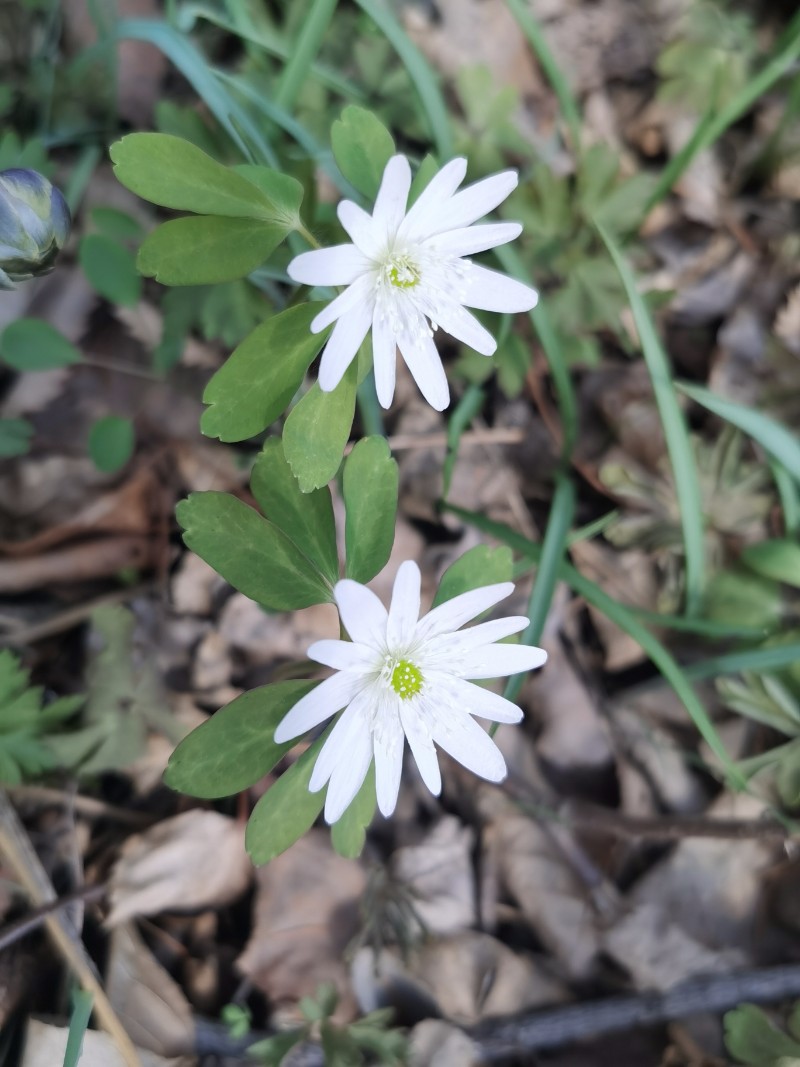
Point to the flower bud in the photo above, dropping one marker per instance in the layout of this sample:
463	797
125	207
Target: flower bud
34	224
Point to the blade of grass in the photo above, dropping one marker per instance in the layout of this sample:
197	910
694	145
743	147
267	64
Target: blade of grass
752	659
712	628
790	498
82	1001
303	52
551	67
510	260
463	413
233	118
676	433
627	621
551	557
712	126
775	439
419	72
593	529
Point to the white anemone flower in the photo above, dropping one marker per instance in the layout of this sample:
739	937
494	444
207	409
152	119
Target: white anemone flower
406	275
405	677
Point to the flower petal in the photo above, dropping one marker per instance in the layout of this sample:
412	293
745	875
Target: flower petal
460	609
475	201
342	346
421	745
459	323
338	265
352	757
489	290
363	615
476	700
384	357
315	707
342	655
404	608
388	745
496	661
365	234
469	743
468	240
438	190
425	364
353	297
390	203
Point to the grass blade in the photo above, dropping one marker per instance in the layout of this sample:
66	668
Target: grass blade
676	433
627	621
712	126
790	498
304	52
82	1002
463	413
549	64
751	659
775	439
420	73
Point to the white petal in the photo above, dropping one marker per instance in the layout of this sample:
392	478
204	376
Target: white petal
460	609
315	707
368	237
390	203
468	743
384	357
421	745
349	772
339	265
351	299
476	700
425	364
459	323
488	290
404	608
363	615
475	201
471	239
496	661
438	190
342	655
351	724
388	745
342	346
476	636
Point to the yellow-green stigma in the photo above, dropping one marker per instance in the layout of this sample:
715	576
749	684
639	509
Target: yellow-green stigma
403	273
406	680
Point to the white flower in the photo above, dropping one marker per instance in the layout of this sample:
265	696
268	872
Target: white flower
406	276
400	677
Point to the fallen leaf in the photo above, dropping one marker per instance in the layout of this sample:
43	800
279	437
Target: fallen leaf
46	1046
435	1043
196	860
439	872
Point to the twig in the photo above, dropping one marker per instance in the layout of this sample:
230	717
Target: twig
670	827
88	806
21	857
65	620
28	923
505	1041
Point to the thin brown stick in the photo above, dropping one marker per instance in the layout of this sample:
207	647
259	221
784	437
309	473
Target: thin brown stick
670	827
65	620
88	806
28	923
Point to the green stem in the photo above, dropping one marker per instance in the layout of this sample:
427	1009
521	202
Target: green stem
369	409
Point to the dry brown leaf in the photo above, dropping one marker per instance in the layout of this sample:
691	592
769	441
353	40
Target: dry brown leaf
101	557
787	324
196	860
194	586
440	874
45	1046
149	1003
435	1043
306	914
266	638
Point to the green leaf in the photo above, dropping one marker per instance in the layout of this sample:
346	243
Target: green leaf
370	497
339	1049
425	171
773	438
118	225
305	518
350	831
362	146
235	748
318	429
778	559
740	594
32	344
479	566
15	437
250	552
753	1039
205	249
262	375
271	1051
111	442
285	193
174	173
111	269
287	809
82	1001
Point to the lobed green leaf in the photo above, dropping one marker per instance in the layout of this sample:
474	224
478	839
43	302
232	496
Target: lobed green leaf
317	430
370	496
362	146
32	344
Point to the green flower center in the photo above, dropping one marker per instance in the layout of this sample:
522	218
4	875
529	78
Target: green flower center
403	273
406	680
